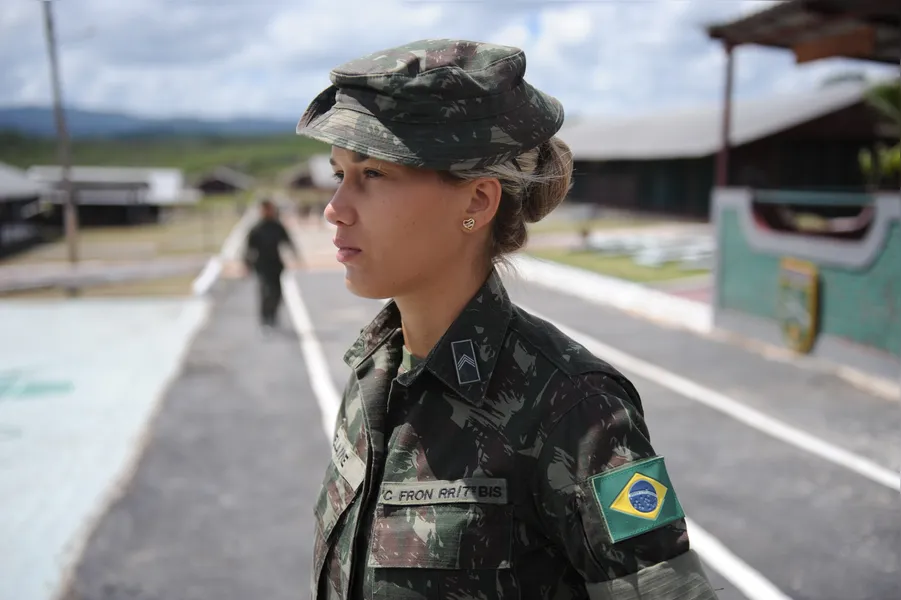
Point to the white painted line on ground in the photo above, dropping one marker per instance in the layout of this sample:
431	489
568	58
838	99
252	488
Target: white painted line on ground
324	389
749	416
207	277
229	251
320	380
750	582
231	247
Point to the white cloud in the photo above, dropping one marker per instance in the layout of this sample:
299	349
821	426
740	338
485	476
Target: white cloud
512	34
269	58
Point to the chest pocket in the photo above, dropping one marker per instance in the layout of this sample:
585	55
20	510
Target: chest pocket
442	539
343	478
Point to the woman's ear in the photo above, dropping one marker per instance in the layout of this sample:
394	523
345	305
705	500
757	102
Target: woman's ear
484	199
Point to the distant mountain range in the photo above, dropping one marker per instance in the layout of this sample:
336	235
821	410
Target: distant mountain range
39	121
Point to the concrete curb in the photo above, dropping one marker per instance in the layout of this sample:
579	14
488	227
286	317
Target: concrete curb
89	275
624	295
673	311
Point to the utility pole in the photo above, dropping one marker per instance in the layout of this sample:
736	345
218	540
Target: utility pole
70	213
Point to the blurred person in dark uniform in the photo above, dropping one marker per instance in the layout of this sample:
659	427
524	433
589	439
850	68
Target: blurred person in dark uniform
264	258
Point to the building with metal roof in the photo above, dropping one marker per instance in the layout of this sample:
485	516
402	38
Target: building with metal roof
813	30
118	194
224	180
314	173
816	29
666	162
22	202
695	132
157	186
15	184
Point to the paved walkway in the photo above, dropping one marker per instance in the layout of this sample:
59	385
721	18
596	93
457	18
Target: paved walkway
314	237
220	506
77	391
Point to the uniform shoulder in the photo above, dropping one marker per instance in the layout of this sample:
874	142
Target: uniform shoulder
581	373
555	346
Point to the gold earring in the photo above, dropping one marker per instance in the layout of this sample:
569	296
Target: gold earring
469	224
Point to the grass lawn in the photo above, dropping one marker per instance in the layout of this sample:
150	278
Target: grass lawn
573	225
168	286
621	267
191	230
262	156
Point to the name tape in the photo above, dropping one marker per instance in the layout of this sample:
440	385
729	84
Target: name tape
479	490
350	466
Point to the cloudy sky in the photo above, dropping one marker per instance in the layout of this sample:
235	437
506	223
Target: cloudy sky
224	58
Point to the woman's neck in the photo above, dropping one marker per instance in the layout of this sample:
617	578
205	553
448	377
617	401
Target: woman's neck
428	313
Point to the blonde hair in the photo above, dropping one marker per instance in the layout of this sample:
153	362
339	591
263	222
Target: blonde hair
534	184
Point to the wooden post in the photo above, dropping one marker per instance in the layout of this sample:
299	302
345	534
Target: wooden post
722	159
70	214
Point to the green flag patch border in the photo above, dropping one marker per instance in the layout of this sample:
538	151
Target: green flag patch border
636	498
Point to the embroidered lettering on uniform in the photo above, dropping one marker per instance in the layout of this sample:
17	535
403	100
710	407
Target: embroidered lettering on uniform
636	498
351	466
475	490
465	362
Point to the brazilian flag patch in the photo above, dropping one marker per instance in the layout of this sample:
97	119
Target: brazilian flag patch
636	498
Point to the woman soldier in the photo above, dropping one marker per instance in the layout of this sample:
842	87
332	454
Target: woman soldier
478	452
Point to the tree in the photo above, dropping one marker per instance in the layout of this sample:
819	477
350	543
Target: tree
844	77
884	162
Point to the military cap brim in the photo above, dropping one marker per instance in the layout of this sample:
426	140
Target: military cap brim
437	104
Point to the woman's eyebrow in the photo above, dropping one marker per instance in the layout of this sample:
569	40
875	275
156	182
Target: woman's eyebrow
356	157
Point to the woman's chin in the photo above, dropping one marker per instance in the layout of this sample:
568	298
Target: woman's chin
358	285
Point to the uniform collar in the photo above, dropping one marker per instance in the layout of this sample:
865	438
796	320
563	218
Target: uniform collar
465	356
374	335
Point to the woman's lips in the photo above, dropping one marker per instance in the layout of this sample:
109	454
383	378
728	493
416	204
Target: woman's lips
347	254
346	251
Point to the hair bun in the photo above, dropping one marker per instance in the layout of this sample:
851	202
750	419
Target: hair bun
554	172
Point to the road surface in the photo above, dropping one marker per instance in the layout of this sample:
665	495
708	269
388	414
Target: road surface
220	505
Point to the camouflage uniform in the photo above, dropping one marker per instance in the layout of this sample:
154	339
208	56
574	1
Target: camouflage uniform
438	104
509	462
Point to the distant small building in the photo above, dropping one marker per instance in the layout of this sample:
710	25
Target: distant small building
315	173
224	180
22	203
117	195
666	162
312	183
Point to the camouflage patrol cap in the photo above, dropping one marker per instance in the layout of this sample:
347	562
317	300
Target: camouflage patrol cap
437	103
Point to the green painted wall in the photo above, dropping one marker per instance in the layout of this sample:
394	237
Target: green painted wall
863	305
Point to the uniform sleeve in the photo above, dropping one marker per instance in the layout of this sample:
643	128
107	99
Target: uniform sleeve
286	237
606	501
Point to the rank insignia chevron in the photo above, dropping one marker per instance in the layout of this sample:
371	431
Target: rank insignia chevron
465	362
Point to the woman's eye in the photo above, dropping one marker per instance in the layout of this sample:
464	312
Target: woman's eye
367	173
